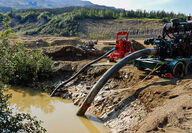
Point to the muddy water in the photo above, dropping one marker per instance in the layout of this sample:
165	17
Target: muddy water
58	114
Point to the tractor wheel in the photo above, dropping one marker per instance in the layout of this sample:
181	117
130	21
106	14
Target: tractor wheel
188	69
179	70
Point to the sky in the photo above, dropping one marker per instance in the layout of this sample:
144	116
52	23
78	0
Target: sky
177	6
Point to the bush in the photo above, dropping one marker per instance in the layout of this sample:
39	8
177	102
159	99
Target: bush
16	122
17	65
20	65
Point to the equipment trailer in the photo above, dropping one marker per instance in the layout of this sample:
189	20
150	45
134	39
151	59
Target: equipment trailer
173	67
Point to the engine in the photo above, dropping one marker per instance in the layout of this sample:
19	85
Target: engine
176	40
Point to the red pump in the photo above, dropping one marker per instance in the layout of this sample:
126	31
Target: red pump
123	47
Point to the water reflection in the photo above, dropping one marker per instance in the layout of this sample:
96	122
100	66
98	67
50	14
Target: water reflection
26	98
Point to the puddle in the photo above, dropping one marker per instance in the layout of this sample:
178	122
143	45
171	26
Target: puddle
58	115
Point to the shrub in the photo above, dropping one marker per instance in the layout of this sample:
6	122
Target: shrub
17	64
20	65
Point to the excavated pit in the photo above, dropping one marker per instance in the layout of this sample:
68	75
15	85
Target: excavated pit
125	103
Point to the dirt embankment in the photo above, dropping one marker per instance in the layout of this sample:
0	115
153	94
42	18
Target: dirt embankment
107	29
125	103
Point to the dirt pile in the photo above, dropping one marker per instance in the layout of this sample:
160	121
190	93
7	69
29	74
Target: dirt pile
175	114
66	42
72	53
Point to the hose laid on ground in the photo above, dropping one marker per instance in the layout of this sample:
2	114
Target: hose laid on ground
80	71
97	87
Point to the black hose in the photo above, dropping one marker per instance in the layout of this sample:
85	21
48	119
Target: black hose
80	71
97	87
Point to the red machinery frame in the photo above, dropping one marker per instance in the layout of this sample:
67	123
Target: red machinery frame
123	47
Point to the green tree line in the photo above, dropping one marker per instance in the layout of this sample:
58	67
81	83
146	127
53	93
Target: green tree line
114	14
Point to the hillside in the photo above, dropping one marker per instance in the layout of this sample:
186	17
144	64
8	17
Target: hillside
5	9
27	4
107	29
89	22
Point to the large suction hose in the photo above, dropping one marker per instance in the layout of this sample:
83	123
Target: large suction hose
80	71
97	87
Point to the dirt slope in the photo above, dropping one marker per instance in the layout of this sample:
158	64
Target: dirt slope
137	28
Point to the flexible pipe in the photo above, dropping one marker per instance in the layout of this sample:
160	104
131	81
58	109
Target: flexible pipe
80	71
97	87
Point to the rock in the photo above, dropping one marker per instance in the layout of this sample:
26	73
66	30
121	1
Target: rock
67	95
67	67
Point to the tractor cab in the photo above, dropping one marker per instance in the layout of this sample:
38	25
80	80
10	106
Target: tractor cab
123	47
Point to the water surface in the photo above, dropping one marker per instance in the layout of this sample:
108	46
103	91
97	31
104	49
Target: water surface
59	115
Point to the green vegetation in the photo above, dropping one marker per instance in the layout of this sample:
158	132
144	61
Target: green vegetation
65	21
19	65
12	122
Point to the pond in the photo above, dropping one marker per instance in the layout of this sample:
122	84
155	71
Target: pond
58	115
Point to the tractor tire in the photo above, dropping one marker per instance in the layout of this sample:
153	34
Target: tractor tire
188	68
179	70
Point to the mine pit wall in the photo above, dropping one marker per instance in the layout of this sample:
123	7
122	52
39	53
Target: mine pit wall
107	29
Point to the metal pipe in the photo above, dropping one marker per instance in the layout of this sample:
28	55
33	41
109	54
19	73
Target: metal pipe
80	71
97	87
